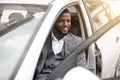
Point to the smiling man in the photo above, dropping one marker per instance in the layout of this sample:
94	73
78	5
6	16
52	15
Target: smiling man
58	46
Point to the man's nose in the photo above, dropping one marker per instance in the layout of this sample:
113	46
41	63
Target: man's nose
65	23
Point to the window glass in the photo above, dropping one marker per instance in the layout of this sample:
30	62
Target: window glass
11	16
99	13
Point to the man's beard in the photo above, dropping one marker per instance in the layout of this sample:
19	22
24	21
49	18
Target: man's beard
60	32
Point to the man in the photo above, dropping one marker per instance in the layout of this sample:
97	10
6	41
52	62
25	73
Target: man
58	46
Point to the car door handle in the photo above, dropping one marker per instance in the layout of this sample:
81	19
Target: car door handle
117	39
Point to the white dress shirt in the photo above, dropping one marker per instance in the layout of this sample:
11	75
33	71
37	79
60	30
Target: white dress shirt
57	45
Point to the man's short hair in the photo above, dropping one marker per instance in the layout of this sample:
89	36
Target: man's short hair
66	11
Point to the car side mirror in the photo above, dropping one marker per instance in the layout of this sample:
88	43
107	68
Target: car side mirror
80	73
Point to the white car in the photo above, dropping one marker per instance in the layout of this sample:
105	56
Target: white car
25	26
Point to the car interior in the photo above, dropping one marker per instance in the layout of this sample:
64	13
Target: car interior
75	29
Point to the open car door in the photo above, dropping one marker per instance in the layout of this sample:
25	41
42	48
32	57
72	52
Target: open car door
69	62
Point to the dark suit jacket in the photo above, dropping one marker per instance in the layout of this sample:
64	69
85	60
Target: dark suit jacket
71	43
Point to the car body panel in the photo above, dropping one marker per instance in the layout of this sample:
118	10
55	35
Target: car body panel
45	2
112	50
17	42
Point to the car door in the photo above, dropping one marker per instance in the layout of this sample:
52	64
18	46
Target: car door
108	46
69	61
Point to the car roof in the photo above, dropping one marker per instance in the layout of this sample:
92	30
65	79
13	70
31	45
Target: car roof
43	2
38	2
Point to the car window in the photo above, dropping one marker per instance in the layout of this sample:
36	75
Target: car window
16	35
11	16
99	13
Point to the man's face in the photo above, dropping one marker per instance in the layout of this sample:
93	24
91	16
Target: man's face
63	23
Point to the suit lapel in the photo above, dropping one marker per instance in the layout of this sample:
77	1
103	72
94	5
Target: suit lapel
66	47
44	53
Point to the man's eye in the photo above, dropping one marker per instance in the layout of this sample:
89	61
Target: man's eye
61	21
68	21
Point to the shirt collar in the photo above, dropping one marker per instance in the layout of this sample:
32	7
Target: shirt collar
54	38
